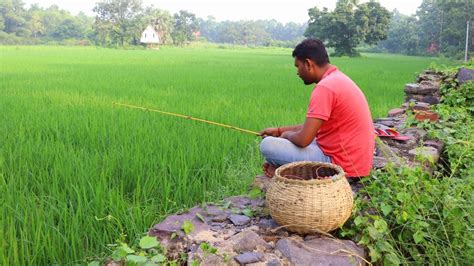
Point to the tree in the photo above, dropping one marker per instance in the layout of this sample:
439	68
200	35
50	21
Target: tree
161	21
443	25
36	24
402	35
116	18
12	17
185	24
348	25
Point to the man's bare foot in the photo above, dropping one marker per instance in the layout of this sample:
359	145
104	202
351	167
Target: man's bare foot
269	169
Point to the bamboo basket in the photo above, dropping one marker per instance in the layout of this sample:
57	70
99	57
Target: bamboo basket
309	197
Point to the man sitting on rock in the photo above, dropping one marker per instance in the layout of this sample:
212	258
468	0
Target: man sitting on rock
338	127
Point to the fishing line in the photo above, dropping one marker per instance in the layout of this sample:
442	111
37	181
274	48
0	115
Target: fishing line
189	117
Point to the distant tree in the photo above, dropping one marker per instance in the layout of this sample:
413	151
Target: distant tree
349	25
185	24
443	25
117	18
403	36
36	24
12	17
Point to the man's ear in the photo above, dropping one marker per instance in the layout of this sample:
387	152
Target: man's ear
308	63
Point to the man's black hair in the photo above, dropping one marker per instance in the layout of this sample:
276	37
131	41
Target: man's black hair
312	49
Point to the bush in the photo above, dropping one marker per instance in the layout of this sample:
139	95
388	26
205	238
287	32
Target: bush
406	215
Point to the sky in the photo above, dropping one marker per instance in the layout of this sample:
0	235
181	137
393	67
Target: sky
281	10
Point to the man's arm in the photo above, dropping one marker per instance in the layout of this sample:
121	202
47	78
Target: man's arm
277	131
305	134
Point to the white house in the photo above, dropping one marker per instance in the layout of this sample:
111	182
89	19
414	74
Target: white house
150	36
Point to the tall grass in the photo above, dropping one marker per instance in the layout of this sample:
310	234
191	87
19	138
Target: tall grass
68	155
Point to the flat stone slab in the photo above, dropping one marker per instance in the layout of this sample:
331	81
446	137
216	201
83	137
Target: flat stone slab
396	112
430	99
248	257
239	220
321	251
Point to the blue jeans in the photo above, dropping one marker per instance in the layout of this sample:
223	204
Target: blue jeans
279	151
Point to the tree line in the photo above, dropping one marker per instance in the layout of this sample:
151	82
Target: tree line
438	27
121	22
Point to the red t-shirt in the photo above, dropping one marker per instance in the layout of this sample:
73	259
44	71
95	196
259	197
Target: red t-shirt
347	134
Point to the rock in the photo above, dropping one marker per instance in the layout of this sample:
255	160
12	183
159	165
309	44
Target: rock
430	99
421	106
171	226
267	223
379	162
416	106
242	202
465	74
396	112
239	220
321	251
437	144
356	187
427	115
411	88
425	153
205	259
274	262
423	88
220	218
173	223
211	211
248	257
263	182
205	236
387	121
418	134
246	241
430	76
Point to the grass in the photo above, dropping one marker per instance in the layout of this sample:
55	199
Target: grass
67	155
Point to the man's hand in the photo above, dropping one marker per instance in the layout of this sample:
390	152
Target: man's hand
270	132
286	134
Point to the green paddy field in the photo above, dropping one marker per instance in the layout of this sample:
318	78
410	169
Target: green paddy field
69	157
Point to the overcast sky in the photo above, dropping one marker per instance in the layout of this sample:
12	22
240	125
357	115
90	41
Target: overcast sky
281	10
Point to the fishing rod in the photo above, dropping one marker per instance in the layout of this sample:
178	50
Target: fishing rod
188	117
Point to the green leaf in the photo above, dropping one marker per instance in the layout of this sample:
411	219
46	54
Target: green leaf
198	215
226	205
187	227
94	263
255	193
358	221
126	248
386	209
419	236
158	258
381	226
247	212
136	259
391	259
404	215
373	232
374	254
148	242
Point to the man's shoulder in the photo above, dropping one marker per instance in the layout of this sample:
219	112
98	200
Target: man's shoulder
337	80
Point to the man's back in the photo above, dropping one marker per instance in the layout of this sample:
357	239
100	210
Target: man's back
347	135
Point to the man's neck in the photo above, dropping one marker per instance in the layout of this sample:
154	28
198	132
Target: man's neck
323	71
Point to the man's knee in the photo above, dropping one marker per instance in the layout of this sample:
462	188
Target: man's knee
267	146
